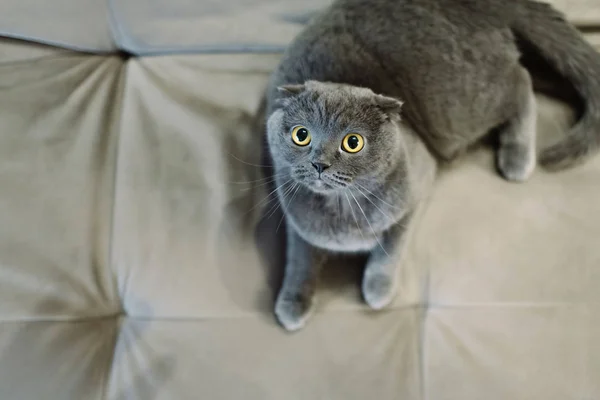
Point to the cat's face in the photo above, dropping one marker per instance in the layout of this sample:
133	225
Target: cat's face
331	136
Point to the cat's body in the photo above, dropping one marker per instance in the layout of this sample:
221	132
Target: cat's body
455	66
435	66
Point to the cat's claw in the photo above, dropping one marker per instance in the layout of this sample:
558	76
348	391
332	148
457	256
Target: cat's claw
378	290
292	311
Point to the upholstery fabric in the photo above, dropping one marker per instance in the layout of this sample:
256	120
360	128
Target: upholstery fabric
135	262
144	27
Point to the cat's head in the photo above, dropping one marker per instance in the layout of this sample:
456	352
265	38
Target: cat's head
330	136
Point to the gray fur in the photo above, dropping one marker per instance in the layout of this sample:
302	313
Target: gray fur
421	80
361	203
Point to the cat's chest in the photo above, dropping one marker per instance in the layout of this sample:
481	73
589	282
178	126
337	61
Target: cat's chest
344	222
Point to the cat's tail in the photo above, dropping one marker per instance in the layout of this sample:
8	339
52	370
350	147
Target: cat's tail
546	31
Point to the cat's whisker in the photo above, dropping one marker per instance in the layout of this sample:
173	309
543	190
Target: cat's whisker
261	185
338	182
274	204
274	208
286	208
266	178
368	222
375	205
353	215
250	164
277	205
377	197
269	195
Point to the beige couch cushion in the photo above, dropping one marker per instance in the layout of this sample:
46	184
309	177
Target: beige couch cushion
581	12
76	24
57	144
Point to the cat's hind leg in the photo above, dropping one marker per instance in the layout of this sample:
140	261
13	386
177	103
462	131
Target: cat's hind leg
516	155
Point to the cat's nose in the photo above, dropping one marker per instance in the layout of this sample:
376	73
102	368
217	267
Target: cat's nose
320	167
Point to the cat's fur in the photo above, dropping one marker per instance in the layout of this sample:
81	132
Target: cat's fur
455	66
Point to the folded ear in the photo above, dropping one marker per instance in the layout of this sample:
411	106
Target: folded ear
291	90
388	104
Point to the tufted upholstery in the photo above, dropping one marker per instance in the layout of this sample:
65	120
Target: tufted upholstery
135	265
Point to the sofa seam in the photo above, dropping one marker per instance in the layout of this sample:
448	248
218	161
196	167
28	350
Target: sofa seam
110	364
116	124
115	27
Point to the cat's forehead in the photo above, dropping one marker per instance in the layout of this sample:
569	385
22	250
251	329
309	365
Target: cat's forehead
327	104
337	95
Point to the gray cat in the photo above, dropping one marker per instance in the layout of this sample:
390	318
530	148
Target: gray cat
374	93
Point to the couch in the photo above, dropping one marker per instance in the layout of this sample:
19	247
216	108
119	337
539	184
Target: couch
136	260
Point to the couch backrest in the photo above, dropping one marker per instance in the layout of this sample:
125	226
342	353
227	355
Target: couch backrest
180	26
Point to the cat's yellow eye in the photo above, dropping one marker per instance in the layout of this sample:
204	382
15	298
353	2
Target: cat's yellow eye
301	135
353	143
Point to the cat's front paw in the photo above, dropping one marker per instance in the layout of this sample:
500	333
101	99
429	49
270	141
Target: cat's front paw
293	310
378	290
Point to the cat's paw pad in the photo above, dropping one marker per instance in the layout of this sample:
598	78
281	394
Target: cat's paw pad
293	310
378	290
516	163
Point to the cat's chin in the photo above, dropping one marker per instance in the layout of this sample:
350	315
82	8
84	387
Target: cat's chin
321	187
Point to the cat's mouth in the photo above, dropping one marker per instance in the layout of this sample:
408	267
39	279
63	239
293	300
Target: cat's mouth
322	183
319	185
